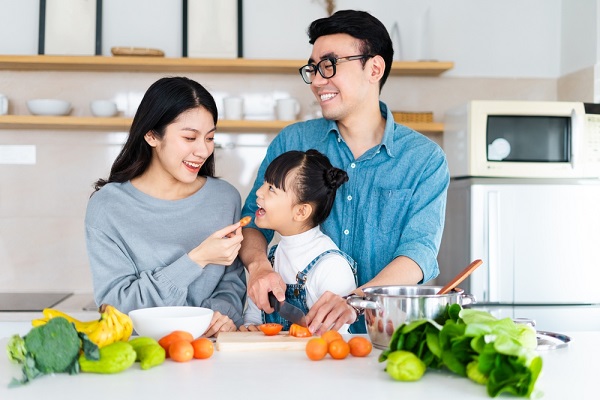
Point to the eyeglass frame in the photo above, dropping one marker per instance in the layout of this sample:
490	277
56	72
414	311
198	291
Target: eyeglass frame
334	61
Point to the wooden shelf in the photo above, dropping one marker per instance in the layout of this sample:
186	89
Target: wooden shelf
122	124
162	64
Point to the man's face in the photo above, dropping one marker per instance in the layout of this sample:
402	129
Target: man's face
345	92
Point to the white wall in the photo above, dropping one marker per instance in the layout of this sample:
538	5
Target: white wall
484	38
580	36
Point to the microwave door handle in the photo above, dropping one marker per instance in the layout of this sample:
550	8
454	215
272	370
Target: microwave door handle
575	136
493	246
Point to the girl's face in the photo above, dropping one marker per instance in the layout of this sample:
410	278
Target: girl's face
187	143
278	209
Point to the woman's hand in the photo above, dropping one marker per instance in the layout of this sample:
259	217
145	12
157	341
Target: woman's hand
219	323
330	312
219	248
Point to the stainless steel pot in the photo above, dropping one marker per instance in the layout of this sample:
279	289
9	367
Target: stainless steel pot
388	307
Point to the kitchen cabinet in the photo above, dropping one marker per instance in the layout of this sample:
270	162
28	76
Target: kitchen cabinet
171	65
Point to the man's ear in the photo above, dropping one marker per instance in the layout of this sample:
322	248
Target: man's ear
151	139
302	212
377	68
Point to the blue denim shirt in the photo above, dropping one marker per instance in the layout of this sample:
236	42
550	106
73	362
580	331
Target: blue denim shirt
394	202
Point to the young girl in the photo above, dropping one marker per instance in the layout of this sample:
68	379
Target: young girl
297	196
159	229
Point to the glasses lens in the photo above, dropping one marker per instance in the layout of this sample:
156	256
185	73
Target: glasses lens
327	68
307	72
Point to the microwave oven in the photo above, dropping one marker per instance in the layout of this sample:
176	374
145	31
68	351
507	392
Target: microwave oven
523	139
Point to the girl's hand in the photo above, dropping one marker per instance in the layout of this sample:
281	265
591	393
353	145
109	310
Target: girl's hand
248	328
219	323
330	312
218	248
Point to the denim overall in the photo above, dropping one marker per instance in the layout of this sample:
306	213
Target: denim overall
295	293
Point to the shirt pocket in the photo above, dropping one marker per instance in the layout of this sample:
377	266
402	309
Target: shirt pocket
388	213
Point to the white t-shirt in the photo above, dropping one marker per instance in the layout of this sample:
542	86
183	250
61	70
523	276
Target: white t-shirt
331	273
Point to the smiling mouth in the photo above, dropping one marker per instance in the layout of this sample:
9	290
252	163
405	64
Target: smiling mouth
261	211
327	96
192	165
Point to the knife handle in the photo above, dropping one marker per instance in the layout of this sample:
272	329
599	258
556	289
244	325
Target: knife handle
273	302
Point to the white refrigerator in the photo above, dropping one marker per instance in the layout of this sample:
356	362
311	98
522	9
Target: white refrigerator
539	240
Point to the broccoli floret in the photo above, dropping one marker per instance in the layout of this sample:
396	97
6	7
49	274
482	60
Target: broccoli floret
53	347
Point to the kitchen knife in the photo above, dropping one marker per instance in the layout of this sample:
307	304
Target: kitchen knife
287	310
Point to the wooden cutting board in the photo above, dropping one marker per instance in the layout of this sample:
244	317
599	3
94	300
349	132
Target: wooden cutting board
252	341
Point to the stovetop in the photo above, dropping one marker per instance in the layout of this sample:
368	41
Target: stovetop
34	301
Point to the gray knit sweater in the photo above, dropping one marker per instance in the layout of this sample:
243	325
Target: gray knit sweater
137	247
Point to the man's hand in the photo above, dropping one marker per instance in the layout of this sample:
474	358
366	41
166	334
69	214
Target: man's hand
261	277
330	312
262	281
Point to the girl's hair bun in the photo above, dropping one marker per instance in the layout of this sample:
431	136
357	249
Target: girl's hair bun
335	177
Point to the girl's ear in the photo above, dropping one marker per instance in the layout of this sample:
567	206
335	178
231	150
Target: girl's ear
151	139
302	212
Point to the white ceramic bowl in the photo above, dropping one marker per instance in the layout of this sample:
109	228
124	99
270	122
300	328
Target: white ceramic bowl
49	107
157	322
103	108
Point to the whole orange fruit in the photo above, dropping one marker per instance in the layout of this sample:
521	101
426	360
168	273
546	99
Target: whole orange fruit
360	346
339	349
203	348
316	349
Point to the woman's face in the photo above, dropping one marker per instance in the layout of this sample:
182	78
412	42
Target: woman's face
187	143
276	208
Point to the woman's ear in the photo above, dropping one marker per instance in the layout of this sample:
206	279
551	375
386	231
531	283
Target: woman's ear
151	139
302	212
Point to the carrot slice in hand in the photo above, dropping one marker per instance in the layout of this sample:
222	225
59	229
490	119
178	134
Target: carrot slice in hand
245	221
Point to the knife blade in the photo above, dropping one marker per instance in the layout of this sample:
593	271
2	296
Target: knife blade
287	310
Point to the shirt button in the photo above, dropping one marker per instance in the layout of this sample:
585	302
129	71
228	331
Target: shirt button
349	198
352	165
346	232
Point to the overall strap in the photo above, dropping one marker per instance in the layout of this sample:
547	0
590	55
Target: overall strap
271	255
302	275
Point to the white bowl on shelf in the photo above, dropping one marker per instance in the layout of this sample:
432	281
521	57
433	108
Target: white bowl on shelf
103	108
49	107
157	322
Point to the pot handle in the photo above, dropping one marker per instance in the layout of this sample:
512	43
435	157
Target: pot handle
361	302
470	299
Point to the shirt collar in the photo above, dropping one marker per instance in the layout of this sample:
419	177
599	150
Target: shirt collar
388	133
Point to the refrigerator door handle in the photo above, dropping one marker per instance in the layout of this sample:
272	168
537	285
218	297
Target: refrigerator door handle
493	234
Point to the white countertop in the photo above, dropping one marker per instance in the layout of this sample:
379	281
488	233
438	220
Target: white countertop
566	374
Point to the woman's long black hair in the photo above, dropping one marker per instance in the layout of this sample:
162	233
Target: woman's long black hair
163	102
316	179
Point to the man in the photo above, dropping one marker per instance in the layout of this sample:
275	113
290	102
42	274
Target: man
389	216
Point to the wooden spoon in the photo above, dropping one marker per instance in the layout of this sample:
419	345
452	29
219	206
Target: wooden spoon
460	277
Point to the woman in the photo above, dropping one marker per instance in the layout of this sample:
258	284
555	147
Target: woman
162	230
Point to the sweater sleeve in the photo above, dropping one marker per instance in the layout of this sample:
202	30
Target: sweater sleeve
229	295
117	281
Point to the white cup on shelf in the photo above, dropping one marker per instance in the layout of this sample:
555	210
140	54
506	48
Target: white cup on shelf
3	104
287	109
234	108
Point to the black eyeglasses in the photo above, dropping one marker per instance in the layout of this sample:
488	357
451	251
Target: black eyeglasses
326	67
